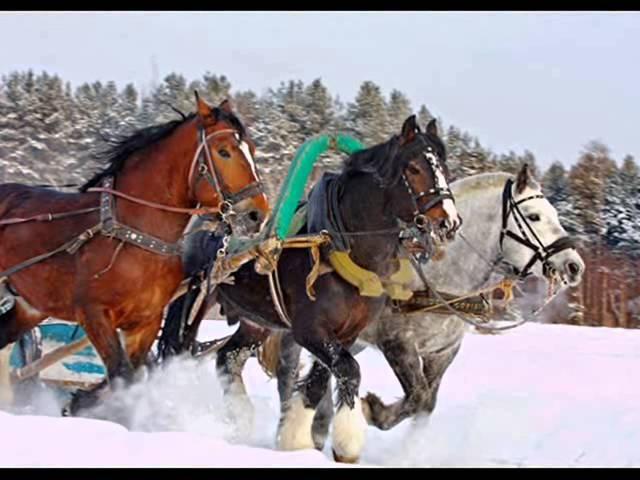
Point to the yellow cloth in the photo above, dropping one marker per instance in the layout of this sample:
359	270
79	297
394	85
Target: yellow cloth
369	283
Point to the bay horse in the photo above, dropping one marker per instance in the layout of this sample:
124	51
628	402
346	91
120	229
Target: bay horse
511	229
109	257
398	182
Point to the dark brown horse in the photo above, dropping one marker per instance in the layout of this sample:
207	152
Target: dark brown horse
379	188
117	266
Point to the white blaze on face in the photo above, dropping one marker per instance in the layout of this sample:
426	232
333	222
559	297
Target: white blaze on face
447	204
244	148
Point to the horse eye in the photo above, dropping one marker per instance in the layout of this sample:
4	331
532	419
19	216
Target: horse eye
534	217
224	154
413	170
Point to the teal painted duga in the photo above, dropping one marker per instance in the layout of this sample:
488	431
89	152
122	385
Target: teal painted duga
301	167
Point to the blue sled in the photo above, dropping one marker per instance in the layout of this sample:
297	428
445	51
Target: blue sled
30	348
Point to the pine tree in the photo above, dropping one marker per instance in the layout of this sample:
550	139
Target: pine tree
587	181
367	116
399	108
173	92
319	108
128	111
247	106
14	102
216	88
617	213
424	116
555	185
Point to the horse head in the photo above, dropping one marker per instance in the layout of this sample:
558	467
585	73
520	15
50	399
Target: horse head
430	203
225	159
533	239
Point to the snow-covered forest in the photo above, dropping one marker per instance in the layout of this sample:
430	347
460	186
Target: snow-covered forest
50	132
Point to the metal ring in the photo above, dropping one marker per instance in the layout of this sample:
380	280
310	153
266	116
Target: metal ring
420	221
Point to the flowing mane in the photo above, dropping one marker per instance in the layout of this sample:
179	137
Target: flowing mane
119	150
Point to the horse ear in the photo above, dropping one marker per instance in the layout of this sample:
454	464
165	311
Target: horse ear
409	129
432	128
225	106
523	178
204	110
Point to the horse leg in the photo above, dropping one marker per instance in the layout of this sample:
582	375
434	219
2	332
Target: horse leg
106	341
288	368
296	421
139	341
324	413
230	362
322	419
177	336
287	375
404	360
349	423
434	367
170	342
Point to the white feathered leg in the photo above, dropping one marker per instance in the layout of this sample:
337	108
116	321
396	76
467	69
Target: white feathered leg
349	432
294	432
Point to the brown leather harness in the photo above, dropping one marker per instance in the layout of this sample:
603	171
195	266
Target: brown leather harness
111	227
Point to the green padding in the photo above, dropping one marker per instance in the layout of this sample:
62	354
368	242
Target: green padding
298	175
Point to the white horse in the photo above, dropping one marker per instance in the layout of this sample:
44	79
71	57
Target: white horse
507	220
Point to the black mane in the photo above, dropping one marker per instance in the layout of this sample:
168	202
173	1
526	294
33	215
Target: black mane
381	160
378	160
121	149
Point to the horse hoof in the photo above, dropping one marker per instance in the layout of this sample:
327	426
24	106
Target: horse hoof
318	441
341	459
66	411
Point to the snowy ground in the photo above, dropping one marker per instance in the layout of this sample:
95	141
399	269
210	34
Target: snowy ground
538	395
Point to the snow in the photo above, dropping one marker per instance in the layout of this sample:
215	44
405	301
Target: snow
539	395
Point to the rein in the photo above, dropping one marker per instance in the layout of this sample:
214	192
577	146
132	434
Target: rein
542	253
454	312
110	227
48	217
157	206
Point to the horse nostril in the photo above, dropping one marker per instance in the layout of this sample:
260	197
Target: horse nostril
573	268
254	216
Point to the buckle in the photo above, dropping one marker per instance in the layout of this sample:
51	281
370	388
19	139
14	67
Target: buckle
7	303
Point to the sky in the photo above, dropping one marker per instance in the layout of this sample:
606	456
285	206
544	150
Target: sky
546	81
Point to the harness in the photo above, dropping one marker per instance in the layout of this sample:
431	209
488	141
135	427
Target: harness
541	252
441	190
109	225
396	286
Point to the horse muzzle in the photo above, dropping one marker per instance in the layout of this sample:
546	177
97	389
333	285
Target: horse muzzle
568	268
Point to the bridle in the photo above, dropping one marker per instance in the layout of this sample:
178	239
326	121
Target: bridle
111	227
439	191
206	168
541	252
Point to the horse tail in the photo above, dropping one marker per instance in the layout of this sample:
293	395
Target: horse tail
269	353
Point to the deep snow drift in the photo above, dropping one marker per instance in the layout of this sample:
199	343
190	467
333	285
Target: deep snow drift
537	395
